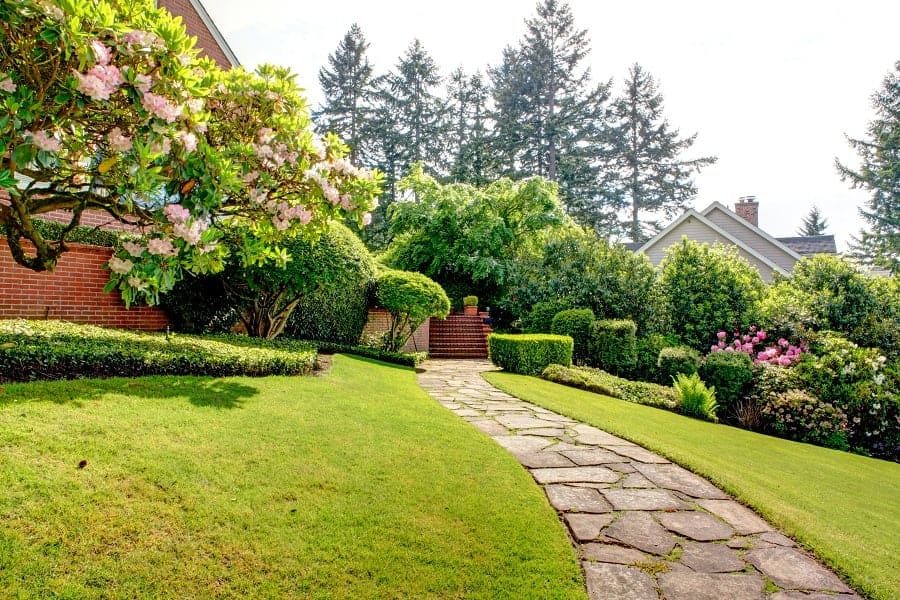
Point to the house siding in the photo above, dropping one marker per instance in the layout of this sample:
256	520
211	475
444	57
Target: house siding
752	239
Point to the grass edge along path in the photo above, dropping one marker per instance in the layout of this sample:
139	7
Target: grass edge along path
355	484
843	507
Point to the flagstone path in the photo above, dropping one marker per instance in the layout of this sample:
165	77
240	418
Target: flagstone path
643	528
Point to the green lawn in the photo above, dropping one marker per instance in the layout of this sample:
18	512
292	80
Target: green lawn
351	485
845	507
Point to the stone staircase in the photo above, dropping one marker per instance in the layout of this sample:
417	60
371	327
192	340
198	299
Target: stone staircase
459	336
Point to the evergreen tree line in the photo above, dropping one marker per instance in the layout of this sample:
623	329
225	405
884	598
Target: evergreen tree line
619	164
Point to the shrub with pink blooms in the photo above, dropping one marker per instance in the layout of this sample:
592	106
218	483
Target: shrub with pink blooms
753	343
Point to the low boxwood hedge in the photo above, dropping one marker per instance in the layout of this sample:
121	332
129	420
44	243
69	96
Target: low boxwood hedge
529	354
408	359
601	382
35	350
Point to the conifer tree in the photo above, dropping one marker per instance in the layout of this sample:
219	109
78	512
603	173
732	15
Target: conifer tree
650	174
813	223
468	140
879	173
349	88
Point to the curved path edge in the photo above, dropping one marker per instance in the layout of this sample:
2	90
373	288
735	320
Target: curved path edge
643	528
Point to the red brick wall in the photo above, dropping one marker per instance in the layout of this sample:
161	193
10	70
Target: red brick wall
195	26
380	321
73	292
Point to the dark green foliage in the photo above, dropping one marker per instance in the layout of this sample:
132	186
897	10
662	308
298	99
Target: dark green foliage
410	298
540	318
675	360
813	223
199	304
731	373
796	415
696	399
469	143
879	173
333	313
650	175
575	323
646	355
92	236
601	382
708	289
409	359
529	354
613	346
34	350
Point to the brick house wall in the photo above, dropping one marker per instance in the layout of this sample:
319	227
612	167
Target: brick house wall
211	43
380	321
73	292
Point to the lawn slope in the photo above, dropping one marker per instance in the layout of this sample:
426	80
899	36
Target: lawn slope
350	485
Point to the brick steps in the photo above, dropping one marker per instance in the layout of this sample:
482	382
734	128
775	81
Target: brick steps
459	336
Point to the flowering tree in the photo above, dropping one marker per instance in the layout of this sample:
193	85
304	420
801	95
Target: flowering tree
782	353
105	105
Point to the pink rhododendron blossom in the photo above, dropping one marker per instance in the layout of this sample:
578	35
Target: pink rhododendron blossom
43	141
251	176
195	105
161	247
160	107
783	353
188	140
266	135
142	83
118	141
161	145
190	234
5	202
119	265
176	213
367	219
140	39
257	195
137	283
134	249
6	83
721	335
102	54
99	82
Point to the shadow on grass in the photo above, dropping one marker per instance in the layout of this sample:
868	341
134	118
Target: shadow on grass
199	391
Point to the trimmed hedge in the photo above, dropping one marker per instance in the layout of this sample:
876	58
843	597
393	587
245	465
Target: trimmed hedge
529	354
36	350
81	234
577	323
613	347
601	382
675	360
540	318
407	359
646	357
731	373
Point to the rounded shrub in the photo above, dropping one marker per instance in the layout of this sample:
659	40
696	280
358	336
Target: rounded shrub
540	318
800	416
576	323
731	373
612	345
529	354
646	355
677	360
410	298
470	301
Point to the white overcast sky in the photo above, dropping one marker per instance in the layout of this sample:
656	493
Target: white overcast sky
770	87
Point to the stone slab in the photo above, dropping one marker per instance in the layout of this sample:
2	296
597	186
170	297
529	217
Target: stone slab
547	432
608	553
586	527
622	467
618	582
813	596
523	422
587	434
636	480
520	444
639	530
575	474
744	520
467	412
685	585
773	537
637	453
700	526
567	498
593	456
489	426
543	459
792	570
673	477
642	500
710	558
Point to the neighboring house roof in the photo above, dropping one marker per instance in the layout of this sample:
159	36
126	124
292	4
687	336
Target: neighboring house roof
808	245
198	23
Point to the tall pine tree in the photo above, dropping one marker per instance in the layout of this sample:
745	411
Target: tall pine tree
349	89
879	173
468	140
813	223
650	174
549	116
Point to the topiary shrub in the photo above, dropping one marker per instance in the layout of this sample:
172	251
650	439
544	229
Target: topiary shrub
612	345
675	360
731	373
797	415
529	354
540	318
697	400
575	323
410	298
470	301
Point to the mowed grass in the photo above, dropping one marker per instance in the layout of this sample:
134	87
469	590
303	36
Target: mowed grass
844	507
351	485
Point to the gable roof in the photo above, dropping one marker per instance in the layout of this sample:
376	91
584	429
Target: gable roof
741	222
807	245
701	218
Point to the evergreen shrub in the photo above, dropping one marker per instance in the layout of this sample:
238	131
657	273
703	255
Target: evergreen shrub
576	323
731	373
529	354
613	346
675	360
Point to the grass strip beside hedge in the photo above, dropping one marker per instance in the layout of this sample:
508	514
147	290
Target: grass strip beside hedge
408	359
601	382
38	350
529	354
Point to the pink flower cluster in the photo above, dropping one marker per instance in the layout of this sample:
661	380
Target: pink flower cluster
101	80
188	140
43	141
141	39
118	141
179	216
332	194
161	247
782	353
160	107
7	84
284	214
176	213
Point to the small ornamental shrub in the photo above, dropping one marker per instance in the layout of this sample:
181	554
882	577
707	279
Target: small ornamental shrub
797	415
529	354
410	298
36	350
612	345
675	360
470	301
575	323
731	373
601	382
697	400
646	355
540	318
752	344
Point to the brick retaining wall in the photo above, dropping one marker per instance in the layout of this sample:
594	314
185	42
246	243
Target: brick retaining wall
380	321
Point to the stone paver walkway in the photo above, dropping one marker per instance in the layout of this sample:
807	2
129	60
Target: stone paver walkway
644	528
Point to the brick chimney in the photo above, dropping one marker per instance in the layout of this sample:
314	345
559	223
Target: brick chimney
748	209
